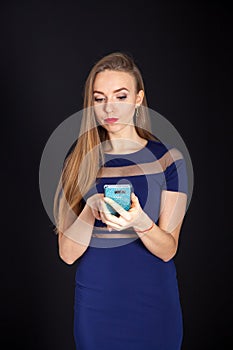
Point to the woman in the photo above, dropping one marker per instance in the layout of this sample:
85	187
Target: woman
126	292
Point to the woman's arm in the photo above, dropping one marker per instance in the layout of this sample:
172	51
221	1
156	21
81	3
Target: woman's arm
75	240
162	239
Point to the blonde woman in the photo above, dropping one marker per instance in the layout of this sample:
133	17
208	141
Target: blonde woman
126	291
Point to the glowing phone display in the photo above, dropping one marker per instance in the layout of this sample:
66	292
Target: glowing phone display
120	194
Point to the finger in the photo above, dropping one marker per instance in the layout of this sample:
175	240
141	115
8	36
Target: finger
96	214
113	226
134	199
124	213
103	219
112	222
135	206
120	221
106	214
104	211
96	210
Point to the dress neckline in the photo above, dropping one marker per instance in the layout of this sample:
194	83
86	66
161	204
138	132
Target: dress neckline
123	154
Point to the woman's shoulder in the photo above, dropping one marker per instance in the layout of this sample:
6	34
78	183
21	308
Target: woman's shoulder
157	147
161	149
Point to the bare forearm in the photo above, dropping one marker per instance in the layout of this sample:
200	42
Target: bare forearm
157	241
75	240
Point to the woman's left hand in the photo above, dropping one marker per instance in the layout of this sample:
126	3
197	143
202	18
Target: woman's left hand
135	217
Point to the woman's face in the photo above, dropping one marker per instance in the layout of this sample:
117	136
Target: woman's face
115	99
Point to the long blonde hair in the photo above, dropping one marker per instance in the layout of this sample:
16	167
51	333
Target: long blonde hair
76	179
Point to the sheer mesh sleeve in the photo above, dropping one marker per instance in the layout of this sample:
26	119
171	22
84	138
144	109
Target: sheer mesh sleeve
175	176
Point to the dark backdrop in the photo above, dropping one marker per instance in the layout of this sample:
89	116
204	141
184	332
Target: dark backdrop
184	52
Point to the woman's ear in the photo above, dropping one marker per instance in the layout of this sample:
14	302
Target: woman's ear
139	98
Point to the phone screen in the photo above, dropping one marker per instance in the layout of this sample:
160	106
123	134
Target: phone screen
120	194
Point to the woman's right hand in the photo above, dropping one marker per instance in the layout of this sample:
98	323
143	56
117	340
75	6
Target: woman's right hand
94	203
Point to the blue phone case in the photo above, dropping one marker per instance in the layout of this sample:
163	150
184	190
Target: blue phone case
120	194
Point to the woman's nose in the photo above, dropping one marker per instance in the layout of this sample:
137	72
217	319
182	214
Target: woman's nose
108	107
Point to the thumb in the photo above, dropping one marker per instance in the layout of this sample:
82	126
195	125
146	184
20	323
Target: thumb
134	199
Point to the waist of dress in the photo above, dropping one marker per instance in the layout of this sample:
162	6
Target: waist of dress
103	232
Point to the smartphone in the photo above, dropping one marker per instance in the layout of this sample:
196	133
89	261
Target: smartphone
121	194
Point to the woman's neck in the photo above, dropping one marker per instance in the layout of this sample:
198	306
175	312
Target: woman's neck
124	142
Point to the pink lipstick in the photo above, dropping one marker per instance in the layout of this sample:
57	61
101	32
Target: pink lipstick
111	120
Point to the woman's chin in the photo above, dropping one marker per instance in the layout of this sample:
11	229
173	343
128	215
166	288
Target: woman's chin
115	127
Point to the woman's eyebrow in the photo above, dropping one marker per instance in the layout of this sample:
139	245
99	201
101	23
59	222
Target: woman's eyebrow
117	90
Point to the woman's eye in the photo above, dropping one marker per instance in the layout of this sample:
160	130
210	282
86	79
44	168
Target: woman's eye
101	99
98	99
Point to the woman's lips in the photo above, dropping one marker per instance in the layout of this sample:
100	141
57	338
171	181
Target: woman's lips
110	120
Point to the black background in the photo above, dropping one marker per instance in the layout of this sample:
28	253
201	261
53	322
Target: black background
184	52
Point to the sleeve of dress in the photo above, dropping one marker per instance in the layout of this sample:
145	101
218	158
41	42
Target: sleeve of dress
175	174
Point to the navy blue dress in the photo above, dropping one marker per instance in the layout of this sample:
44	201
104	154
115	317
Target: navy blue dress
126	298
